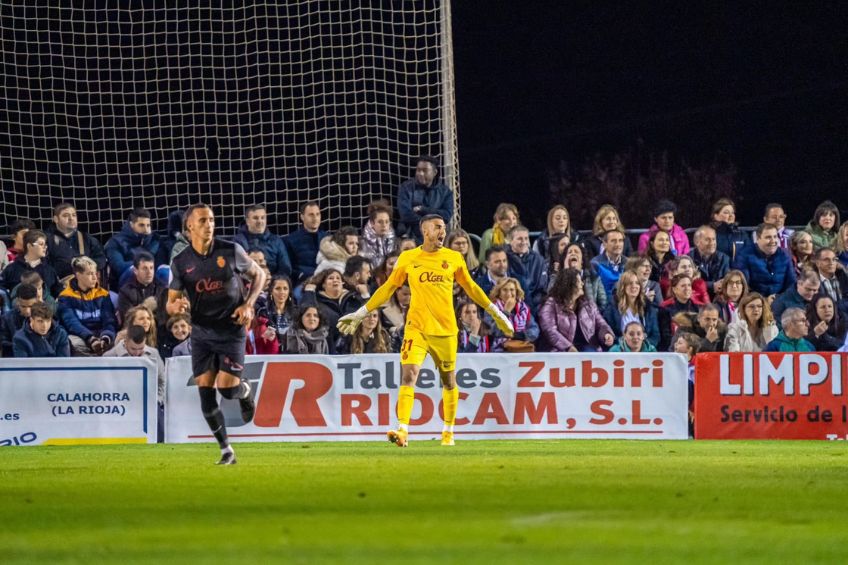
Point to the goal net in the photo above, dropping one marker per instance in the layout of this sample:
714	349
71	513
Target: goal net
270	102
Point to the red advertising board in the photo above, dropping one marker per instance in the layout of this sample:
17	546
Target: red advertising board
771	396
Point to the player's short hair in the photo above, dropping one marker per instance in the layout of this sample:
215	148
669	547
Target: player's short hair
190	210
41	310
32	236
137	213
494	249
142	257
428	218
354	264
309	203
136	334
254	208
27	292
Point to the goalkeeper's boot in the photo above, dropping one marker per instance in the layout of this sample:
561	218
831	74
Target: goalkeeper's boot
248	407
398	437
227	458
447	438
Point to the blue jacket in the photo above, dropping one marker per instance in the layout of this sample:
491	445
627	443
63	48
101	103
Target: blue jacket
435	199
87	314
608	272
786	300
272	246
531	269
27	343
730	240
766	275
650	321
121	250
302	247
10	323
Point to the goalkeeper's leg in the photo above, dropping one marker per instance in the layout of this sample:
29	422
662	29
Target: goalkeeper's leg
450	400
406	400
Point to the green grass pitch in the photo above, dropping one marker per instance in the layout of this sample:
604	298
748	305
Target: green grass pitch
479	502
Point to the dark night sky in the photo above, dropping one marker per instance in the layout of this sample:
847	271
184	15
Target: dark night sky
540	81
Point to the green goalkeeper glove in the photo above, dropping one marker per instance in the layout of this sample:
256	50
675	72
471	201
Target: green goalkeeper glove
348	324
500	319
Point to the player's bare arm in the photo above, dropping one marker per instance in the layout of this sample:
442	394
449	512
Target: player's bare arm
177	303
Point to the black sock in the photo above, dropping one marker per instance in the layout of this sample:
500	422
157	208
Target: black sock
239	391
213	415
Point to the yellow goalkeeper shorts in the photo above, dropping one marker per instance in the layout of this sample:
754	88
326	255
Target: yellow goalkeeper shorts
416	345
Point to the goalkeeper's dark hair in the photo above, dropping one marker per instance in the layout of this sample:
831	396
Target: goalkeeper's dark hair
429	218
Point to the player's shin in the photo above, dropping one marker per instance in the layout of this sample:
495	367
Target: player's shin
450	400
406	400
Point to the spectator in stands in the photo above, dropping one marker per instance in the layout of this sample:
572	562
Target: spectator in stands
184	347
39	336
326	292
18	229
505	218
834	280
178	330
381	274
15	319
254	234
642	267
497	269
606	220
378	236
278	307
711	263
174	240
610	263
394	312
659	253
729	238
755	326
801	250
680	301
775	216
407	243
86	311
706	324
261	338
633	340
141	316
729	292
824	226
302	244
842	245
65	242
664	212
799	295
766	268
689	345
459	241
135	236
791	337
527	266
593	286
632	305
142	286
369	337
683	264
335	249
827	328
474	333
557	244
569	321
357	276
310	332
258	257
135	345
509	297
33	259
422	195
559	223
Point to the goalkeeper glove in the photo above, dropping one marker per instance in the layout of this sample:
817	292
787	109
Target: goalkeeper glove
348	324
500	318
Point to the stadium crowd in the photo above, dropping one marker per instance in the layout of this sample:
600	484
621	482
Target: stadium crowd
569	291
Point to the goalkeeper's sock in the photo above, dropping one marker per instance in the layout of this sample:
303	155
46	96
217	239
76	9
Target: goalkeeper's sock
406	399
450	399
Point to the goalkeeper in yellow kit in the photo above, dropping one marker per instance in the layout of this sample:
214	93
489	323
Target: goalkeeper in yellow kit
431	270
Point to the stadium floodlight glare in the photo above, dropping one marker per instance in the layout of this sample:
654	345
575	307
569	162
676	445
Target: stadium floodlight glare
232	104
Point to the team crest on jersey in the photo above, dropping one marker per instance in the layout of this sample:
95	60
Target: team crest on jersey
221	261
445	265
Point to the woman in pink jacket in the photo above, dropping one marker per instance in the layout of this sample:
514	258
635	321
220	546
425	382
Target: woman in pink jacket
664	212
571	322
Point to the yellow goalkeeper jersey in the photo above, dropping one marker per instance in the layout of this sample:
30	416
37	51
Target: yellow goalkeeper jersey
431	277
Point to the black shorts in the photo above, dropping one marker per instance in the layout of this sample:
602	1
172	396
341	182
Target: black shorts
217	350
